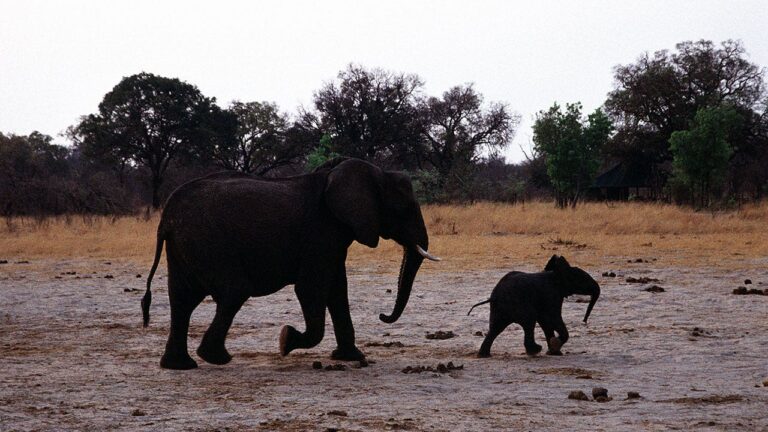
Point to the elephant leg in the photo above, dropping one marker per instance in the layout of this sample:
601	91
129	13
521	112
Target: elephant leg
562	331
495	328
183	302
338	306
531	347
313	298
212	347
553	343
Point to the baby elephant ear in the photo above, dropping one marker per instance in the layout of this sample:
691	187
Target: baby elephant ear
552	263
557	263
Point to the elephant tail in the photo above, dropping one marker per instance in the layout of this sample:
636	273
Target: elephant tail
481	303
147	299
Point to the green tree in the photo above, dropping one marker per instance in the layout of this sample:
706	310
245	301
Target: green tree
321	154
150	121
371	114
457	129
700	155
262	141
660	93
571	147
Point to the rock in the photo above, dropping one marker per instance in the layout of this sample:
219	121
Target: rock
3	261
336	367
22	262
641	280
442	368
138	276
441	335
138	413
740	290
338	413
478	333
396	344
603	399
633	395
578	395
655	289
317	365
389	291
109	276
599	391
747	281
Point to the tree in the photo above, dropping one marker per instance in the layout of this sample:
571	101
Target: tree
262	141
457	129
661	93
372	115
571	147
150	121
701	154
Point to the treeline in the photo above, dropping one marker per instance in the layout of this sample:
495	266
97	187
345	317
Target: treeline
694	121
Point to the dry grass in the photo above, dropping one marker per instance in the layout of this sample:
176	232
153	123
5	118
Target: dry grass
478	235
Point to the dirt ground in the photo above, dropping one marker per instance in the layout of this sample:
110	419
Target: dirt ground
74	356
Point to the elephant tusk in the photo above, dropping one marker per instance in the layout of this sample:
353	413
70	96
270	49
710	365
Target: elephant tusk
426	254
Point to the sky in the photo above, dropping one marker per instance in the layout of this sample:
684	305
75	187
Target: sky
58	59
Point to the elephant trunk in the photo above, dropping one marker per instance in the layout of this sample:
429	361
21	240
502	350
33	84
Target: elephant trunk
408	268
592	301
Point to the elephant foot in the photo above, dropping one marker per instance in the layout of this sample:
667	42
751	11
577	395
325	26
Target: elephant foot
287	334
554	353
482	354
213	356
347	354
532	351
554	344
177	362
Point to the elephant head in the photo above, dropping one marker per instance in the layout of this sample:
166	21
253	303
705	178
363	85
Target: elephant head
574	281
375	203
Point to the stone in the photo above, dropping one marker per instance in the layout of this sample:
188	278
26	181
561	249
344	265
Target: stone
747	281
599	391
578	395
138	413
633	395
603	399
317	365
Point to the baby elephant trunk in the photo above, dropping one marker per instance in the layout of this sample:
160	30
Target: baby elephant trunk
592	301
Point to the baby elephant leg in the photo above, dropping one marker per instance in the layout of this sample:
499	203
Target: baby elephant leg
553	342
494	329
531	347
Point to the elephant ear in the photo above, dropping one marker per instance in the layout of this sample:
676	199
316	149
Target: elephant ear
353	195
557	264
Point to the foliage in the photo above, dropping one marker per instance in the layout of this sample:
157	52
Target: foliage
38	177
371	114
571	147
148	120
321	154
661	93
457	130
701	154
262	142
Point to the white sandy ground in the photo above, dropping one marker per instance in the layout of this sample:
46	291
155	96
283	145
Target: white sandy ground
73	356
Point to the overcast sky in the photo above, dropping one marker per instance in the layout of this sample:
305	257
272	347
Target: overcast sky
58	59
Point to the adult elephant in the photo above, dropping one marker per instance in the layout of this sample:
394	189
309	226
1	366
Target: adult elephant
233	236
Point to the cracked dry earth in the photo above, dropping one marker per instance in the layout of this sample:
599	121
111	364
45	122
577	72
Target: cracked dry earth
74	356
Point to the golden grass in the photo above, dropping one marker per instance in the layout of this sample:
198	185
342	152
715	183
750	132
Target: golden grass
483	235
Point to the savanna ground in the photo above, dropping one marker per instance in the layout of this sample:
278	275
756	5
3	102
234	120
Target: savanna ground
74	355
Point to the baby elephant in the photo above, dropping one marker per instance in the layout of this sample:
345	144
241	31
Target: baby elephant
528	298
